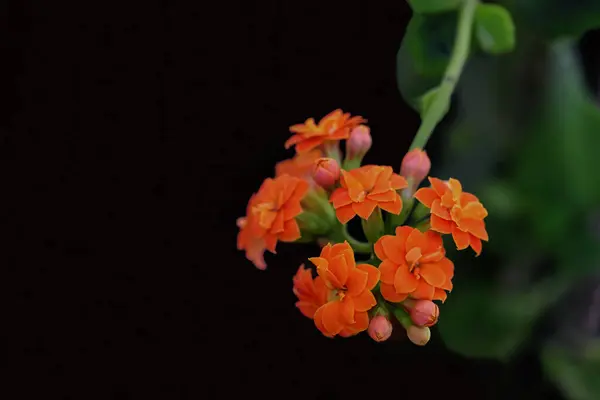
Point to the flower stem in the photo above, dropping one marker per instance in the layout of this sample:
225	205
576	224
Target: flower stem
359	247
460	53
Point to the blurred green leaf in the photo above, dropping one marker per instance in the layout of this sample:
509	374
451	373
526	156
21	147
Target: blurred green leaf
556	18
424	55
576	376
433	6
494	28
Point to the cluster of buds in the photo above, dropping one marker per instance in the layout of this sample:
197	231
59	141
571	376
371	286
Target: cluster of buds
315	194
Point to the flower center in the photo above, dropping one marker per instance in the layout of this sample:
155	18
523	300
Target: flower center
413	256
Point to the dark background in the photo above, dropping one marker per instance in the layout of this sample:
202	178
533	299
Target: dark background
132	138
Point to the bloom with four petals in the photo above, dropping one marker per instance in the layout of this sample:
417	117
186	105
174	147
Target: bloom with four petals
365	188
413	264
270	216
334	126
350	297
455	212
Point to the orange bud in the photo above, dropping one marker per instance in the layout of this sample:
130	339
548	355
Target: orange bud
326	171
359	142
380	328
415	167
419	335
422	312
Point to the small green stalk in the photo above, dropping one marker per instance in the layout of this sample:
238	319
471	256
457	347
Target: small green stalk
373	227
460	53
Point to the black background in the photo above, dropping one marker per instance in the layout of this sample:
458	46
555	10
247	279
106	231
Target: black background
132	138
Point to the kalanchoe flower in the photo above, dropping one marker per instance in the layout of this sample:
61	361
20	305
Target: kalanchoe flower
365	188
301	166
326	172
270	217
413	264
380	328
350	295
359	142
419	335
334	126
455	212
311	293
422	312
415	168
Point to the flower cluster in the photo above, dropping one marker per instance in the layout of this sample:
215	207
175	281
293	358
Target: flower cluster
312	198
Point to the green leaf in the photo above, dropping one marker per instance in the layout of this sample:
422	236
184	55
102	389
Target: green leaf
424	54
494	28
556	18
433	6
576	376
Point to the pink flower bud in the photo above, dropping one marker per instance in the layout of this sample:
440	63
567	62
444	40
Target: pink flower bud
422	312
380	328
326	172
419	335
415	167
359	142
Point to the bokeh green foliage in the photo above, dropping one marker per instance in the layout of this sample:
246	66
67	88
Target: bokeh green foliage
525	138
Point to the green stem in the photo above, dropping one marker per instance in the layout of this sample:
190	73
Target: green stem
359	247
460	53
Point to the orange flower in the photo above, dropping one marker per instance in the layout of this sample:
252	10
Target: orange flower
270	216
350	295
456	212
301	166
311	293
413	264
333	127
365	188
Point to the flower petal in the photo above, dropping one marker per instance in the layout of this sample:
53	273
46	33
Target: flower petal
291	231
345	213
364	301
439	186
340	198
308	144
474	227
318	318
339	268
475	243
291	209
474	210
365	208
388	271
460	238
373	274
432	274
357	281
398	182
439	294
389	293
416	239
331	317
347	307
388	195
439	210
361	324
378	247
393	207
404	280
441	225
394	248
426	196
424	291
307	308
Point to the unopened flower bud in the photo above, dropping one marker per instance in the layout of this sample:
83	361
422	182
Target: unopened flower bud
419	335
380	328
359	142
326	172
422	312
415	167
